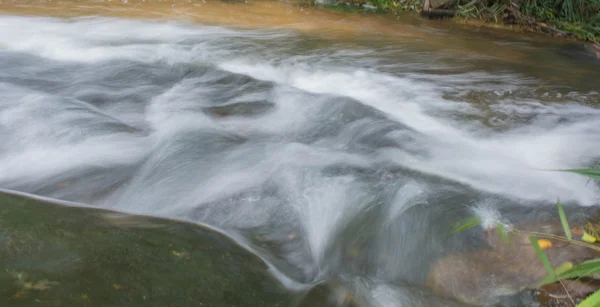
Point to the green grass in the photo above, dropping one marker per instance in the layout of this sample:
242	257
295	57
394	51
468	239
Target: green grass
577	18
584	269
376	5
565	270
398	5
563	220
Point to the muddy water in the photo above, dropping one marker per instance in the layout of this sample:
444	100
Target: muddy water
338	147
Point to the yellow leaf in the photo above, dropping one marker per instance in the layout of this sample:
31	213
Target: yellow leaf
544	244
588	238
551	278
563	267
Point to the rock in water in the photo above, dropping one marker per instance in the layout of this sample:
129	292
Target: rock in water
436	4
58	255
55	255
593	49
432	9
507	267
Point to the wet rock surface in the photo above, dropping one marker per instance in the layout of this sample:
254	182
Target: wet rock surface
54	255
593	49
508	267
57	255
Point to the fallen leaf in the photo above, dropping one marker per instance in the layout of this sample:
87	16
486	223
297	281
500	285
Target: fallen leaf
544	244
588	238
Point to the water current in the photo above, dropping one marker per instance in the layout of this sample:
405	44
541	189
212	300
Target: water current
334	146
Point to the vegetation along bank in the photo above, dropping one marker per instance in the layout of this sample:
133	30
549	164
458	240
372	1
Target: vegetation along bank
577	19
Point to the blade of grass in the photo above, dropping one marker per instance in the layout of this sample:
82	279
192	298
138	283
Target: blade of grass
593	173
542	255
552	278
583	269
591	301
563	220
559	238
466	224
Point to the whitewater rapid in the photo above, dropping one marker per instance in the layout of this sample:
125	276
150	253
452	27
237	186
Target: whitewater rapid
279	137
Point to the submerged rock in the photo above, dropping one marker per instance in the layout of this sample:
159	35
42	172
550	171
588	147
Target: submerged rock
593	49
58	255
55	255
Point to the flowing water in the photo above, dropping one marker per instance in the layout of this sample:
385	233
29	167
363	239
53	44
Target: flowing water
333	145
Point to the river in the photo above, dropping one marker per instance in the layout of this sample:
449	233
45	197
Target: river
334	145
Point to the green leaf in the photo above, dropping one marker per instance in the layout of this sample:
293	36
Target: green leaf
593	173
466	224
541	255
552	278
591	301
563	220
583	269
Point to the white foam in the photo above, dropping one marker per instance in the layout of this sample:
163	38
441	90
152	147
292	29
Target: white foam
91	39
193	165
506	163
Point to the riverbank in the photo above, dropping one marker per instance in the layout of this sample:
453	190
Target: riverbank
574	19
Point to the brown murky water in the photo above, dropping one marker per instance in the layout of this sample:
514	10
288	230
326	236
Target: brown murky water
249	14
455	38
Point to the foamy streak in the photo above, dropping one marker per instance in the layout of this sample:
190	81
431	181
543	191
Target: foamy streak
91	40
504	164
43	140
285	280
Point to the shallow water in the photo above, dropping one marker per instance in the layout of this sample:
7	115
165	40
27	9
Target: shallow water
335	146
